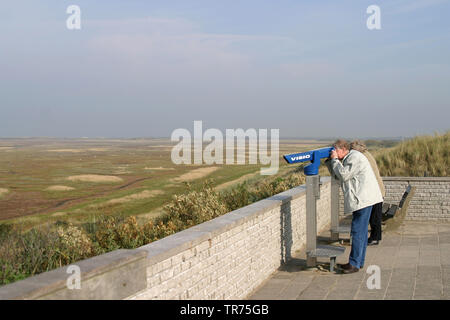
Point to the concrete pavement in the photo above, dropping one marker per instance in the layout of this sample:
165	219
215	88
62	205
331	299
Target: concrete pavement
414	263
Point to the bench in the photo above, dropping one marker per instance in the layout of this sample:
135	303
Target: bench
389	210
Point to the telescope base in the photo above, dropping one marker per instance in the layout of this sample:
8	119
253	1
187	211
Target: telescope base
340	229
324	251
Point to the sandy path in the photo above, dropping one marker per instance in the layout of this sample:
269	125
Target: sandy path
236	181
94	178
80	150
59	188
196	174
136	196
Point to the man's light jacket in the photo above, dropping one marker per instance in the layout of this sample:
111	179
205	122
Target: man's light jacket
358	181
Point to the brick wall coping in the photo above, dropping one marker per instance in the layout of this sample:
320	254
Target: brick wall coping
50	282
426	179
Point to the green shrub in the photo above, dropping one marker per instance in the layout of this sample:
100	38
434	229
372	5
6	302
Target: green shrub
28	253
106	233
73	245
129	234
195	207
237	197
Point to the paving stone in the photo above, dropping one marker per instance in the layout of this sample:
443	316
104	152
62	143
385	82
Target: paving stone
401	285
388	244
348	283
429	241
446	293
410	241
318	288
383	263
414	265
430	261
284	275
398	295
428	289
445	269
365	289
262	296
370	295
400	289
445	254
427	297
295	288
312	296
429	272
400	276
408	252
444	239
405	262
340	294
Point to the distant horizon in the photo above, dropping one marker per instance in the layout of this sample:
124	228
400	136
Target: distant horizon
168	138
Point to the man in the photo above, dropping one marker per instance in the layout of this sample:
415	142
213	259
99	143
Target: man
361	192
376	214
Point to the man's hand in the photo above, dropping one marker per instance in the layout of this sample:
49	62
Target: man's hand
333	154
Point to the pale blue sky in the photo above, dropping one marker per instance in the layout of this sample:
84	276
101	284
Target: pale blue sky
145	68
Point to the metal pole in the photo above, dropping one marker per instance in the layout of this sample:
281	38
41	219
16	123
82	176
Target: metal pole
334	209
312	192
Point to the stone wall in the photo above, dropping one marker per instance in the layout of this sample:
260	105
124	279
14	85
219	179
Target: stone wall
431	199
225	258
230	256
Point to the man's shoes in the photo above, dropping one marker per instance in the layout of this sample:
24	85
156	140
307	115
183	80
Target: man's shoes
352	269
372	242
345	266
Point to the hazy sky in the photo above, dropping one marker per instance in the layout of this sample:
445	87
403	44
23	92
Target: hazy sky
145	68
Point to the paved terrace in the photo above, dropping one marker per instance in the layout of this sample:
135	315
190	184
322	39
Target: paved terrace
414	261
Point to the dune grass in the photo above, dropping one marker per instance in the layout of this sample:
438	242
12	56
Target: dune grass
417	157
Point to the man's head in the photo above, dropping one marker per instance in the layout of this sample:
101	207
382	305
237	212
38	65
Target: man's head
342	148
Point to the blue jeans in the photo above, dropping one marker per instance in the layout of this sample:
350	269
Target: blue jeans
359	233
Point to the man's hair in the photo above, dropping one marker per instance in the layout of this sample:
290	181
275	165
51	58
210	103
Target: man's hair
358	145
341	144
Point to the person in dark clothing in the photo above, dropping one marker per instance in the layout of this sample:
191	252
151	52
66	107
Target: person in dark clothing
375	224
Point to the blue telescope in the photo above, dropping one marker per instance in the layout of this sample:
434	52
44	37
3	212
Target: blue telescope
313	155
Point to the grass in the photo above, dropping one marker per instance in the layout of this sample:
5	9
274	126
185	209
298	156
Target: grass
417	157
